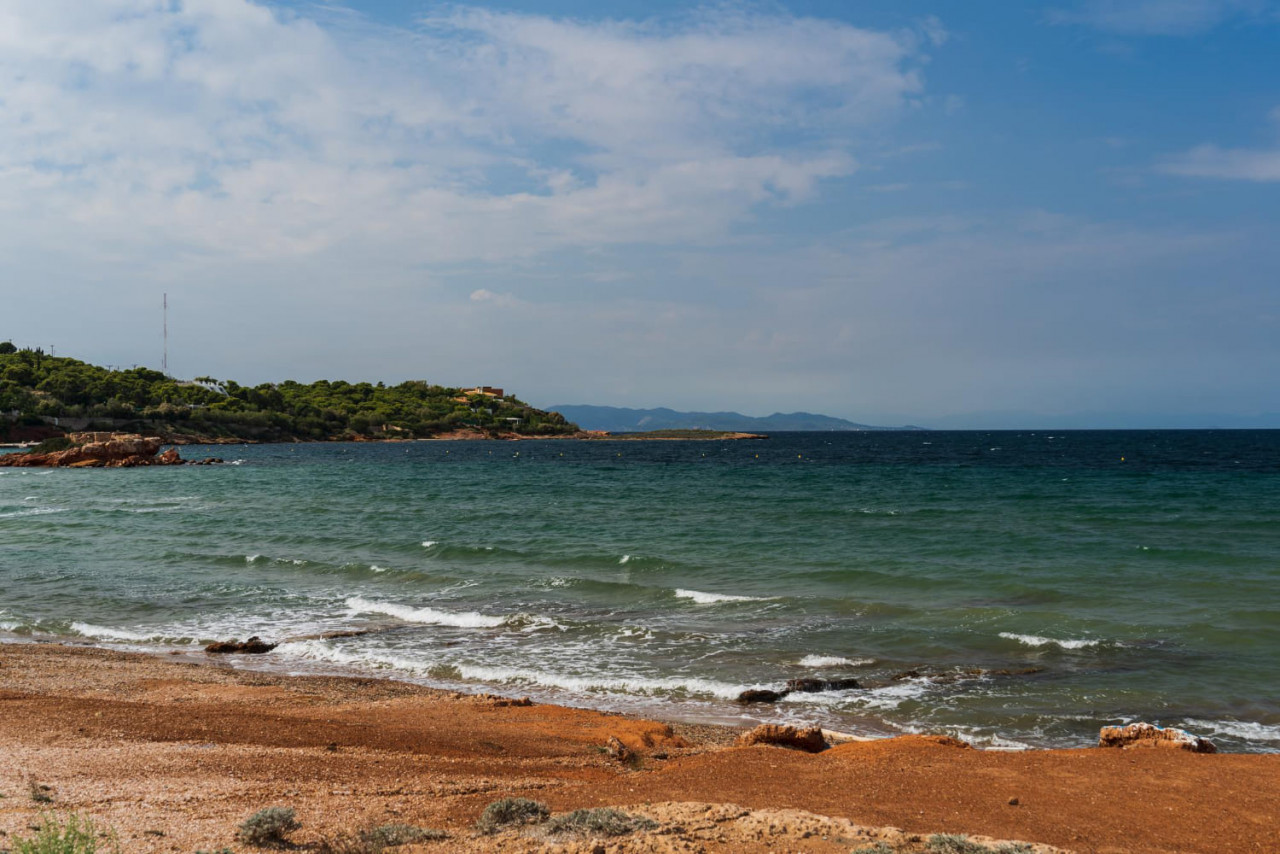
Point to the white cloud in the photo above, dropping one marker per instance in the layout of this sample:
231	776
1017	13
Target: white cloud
133	129
1159	17
1210	161
1241	164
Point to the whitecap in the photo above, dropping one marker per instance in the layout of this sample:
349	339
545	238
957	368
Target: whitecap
1247	730
107	633
624	559
1037	640
598	684
715	598
834	661
428	616
252	558
9	626
34	511
426	544
373	567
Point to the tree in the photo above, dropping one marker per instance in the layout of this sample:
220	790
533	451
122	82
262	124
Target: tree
7	347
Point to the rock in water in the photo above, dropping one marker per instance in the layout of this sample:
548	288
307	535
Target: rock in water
1149	735
760	695
809	739
99	450
254	646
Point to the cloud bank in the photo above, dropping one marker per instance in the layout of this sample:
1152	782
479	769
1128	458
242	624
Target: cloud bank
222	127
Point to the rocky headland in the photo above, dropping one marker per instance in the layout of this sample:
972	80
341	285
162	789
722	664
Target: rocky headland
100	450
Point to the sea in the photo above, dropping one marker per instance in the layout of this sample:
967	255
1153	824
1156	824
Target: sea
1013	589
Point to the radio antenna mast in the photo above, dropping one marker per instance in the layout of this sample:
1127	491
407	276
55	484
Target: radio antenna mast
164	362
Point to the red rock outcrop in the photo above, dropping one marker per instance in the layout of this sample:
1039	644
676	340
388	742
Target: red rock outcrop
99	450
1149	735
809	739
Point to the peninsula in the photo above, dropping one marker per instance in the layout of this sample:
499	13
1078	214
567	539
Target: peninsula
43	396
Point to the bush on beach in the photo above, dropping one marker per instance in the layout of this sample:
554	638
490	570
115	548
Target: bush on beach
510	812
958	843
74	835
602	821
268	827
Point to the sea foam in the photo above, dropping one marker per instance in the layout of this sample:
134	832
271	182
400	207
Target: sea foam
715	598
89	630
834	661
1037	640
598	684
428	616
1247	730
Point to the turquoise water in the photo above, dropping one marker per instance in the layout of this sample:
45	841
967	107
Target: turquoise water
1136	574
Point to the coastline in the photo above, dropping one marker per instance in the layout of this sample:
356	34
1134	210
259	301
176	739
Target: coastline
174	755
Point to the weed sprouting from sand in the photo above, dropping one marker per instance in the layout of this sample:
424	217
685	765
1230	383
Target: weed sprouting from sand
392	835
40	793
268	827
377	839
958	843
74	835
509	812
599	822
878	848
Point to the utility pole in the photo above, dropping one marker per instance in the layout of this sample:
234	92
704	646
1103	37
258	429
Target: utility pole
164	362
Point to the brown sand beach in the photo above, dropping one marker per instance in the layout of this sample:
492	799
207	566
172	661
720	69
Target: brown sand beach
175	755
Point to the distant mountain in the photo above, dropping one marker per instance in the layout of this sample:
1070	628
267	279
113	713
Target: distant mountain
617	419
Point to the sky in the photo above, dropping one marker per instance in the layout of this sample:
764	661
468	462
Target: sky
959	214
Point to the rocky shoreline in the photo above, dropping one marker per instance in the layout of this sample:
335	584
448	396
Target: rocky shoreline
103	450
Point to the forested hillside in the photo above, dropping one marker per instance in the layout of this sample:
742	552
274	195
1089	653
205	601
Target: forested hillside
39	391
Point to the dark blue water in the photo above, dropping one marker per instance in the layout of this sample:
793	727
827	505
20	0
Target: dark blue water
1012	588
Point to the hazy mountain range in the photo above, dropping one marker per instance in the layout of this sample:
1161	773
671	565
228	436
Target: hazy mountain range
617	419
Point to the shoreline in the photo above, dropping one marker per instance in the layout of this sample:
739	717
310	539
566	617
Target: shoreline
174	754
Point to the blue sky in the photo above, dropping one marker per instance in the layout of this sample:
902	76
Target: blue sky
946	213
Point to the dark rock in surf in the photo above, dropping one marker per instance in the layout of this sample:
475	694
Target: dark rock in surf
253	646
817	686
761	695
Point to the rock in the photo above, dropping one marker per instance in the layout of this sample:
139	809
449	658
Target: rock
99	450
817	686
253	646
761	695
1013	802
1149	735
809	739
618	751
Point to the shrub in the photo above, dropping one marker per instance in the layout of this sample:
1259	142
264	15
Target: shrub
952	843
76	835
599	822
48	446
268	827
392	835
511	811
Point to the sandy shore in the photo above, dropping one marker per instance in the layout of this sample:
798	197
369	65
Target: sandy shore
175	755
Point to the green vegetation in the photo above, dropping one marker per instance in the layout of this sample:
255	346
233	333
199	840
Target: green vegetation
958	843
599	822
268	827
510	812
75	835
36	388
378	839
